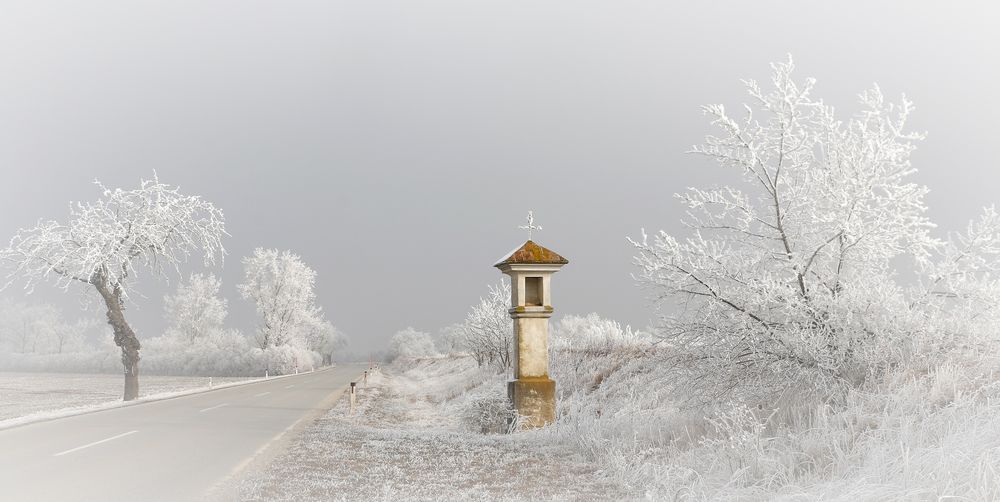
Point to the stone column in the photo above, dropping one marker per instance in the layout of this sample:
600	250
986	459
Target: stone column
532	392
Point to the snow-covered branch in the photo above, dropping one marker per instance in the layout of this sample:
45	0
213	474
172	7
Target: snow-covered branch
790	273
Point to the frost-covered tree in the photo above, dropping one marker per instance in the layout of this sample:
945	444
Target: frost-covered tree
196	309
196	341
490	328
30	328
487	332
324	338
410	343
107	243
64	336
959	290
282	288
452	338
788	273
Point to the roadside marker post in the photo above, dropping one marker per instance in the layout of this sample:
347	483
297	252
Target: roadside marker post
353	387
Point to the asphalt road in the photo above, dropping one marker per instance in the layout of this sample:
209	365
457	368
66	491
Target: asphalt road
172	450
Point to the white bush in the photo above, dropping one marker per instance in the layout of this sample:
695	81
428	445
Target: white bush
490	413
593	333
220	353
487	332
411	344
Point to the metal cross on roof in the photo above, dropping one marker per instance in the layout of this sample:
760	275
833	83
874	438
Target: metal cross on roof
531	224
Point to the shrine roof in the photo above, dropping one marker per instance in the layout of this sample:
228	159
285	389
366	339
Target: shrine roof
529	252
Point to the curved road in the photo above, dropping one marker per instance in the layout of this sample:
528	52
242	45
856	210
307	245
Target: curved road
177	449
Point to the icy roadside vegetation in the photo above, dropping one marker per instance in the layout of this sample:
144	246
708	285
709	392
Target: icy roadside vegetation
418	434
427	429
28	396
931	431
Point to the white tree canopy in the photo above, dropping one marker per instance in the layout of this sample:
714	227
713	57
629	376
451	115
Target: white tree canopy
789	276
281	285
410	343
107	241
196	309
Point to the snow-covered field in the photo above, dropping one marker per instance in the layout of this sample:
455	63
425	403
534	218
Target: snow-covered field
414	436
43	394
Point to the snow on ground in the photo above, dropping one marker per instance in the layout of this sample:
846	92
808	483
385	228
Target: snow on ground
27	395
929	432
414	437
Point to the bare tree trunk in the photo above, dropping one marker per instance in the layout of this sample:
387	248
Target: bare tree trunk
124	338
130	362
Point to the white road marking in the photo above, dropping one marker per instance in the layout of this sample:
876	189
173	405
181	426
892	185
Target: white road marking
289	386
213	407
95	443
262	394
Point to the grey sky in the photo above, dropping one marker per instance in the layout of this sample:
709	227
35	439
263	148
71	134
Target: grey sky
397	145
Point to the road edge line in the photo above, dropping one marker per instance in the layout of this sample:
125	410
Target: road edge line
220	490
14	424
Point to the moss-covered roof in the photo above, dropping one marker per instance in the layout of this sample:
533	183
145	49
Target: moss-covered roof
530	252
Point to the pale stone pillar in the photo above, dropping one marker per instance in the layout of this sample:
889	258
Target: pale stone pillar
532	392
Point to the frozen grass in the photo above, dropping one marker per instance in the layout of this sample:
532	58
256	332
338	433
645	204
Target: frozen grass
40	395
929	432
413	437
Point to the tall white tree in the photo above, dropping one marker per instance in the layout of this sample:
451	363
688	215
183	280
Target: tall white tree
788	274
282	288
196	309
107	243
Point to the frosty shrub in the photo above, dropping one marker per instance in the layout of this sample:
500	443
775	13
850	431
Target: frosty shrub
491	414
451	339
738	437
287	359
593	333
788	276
488	331
411	344
223	352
